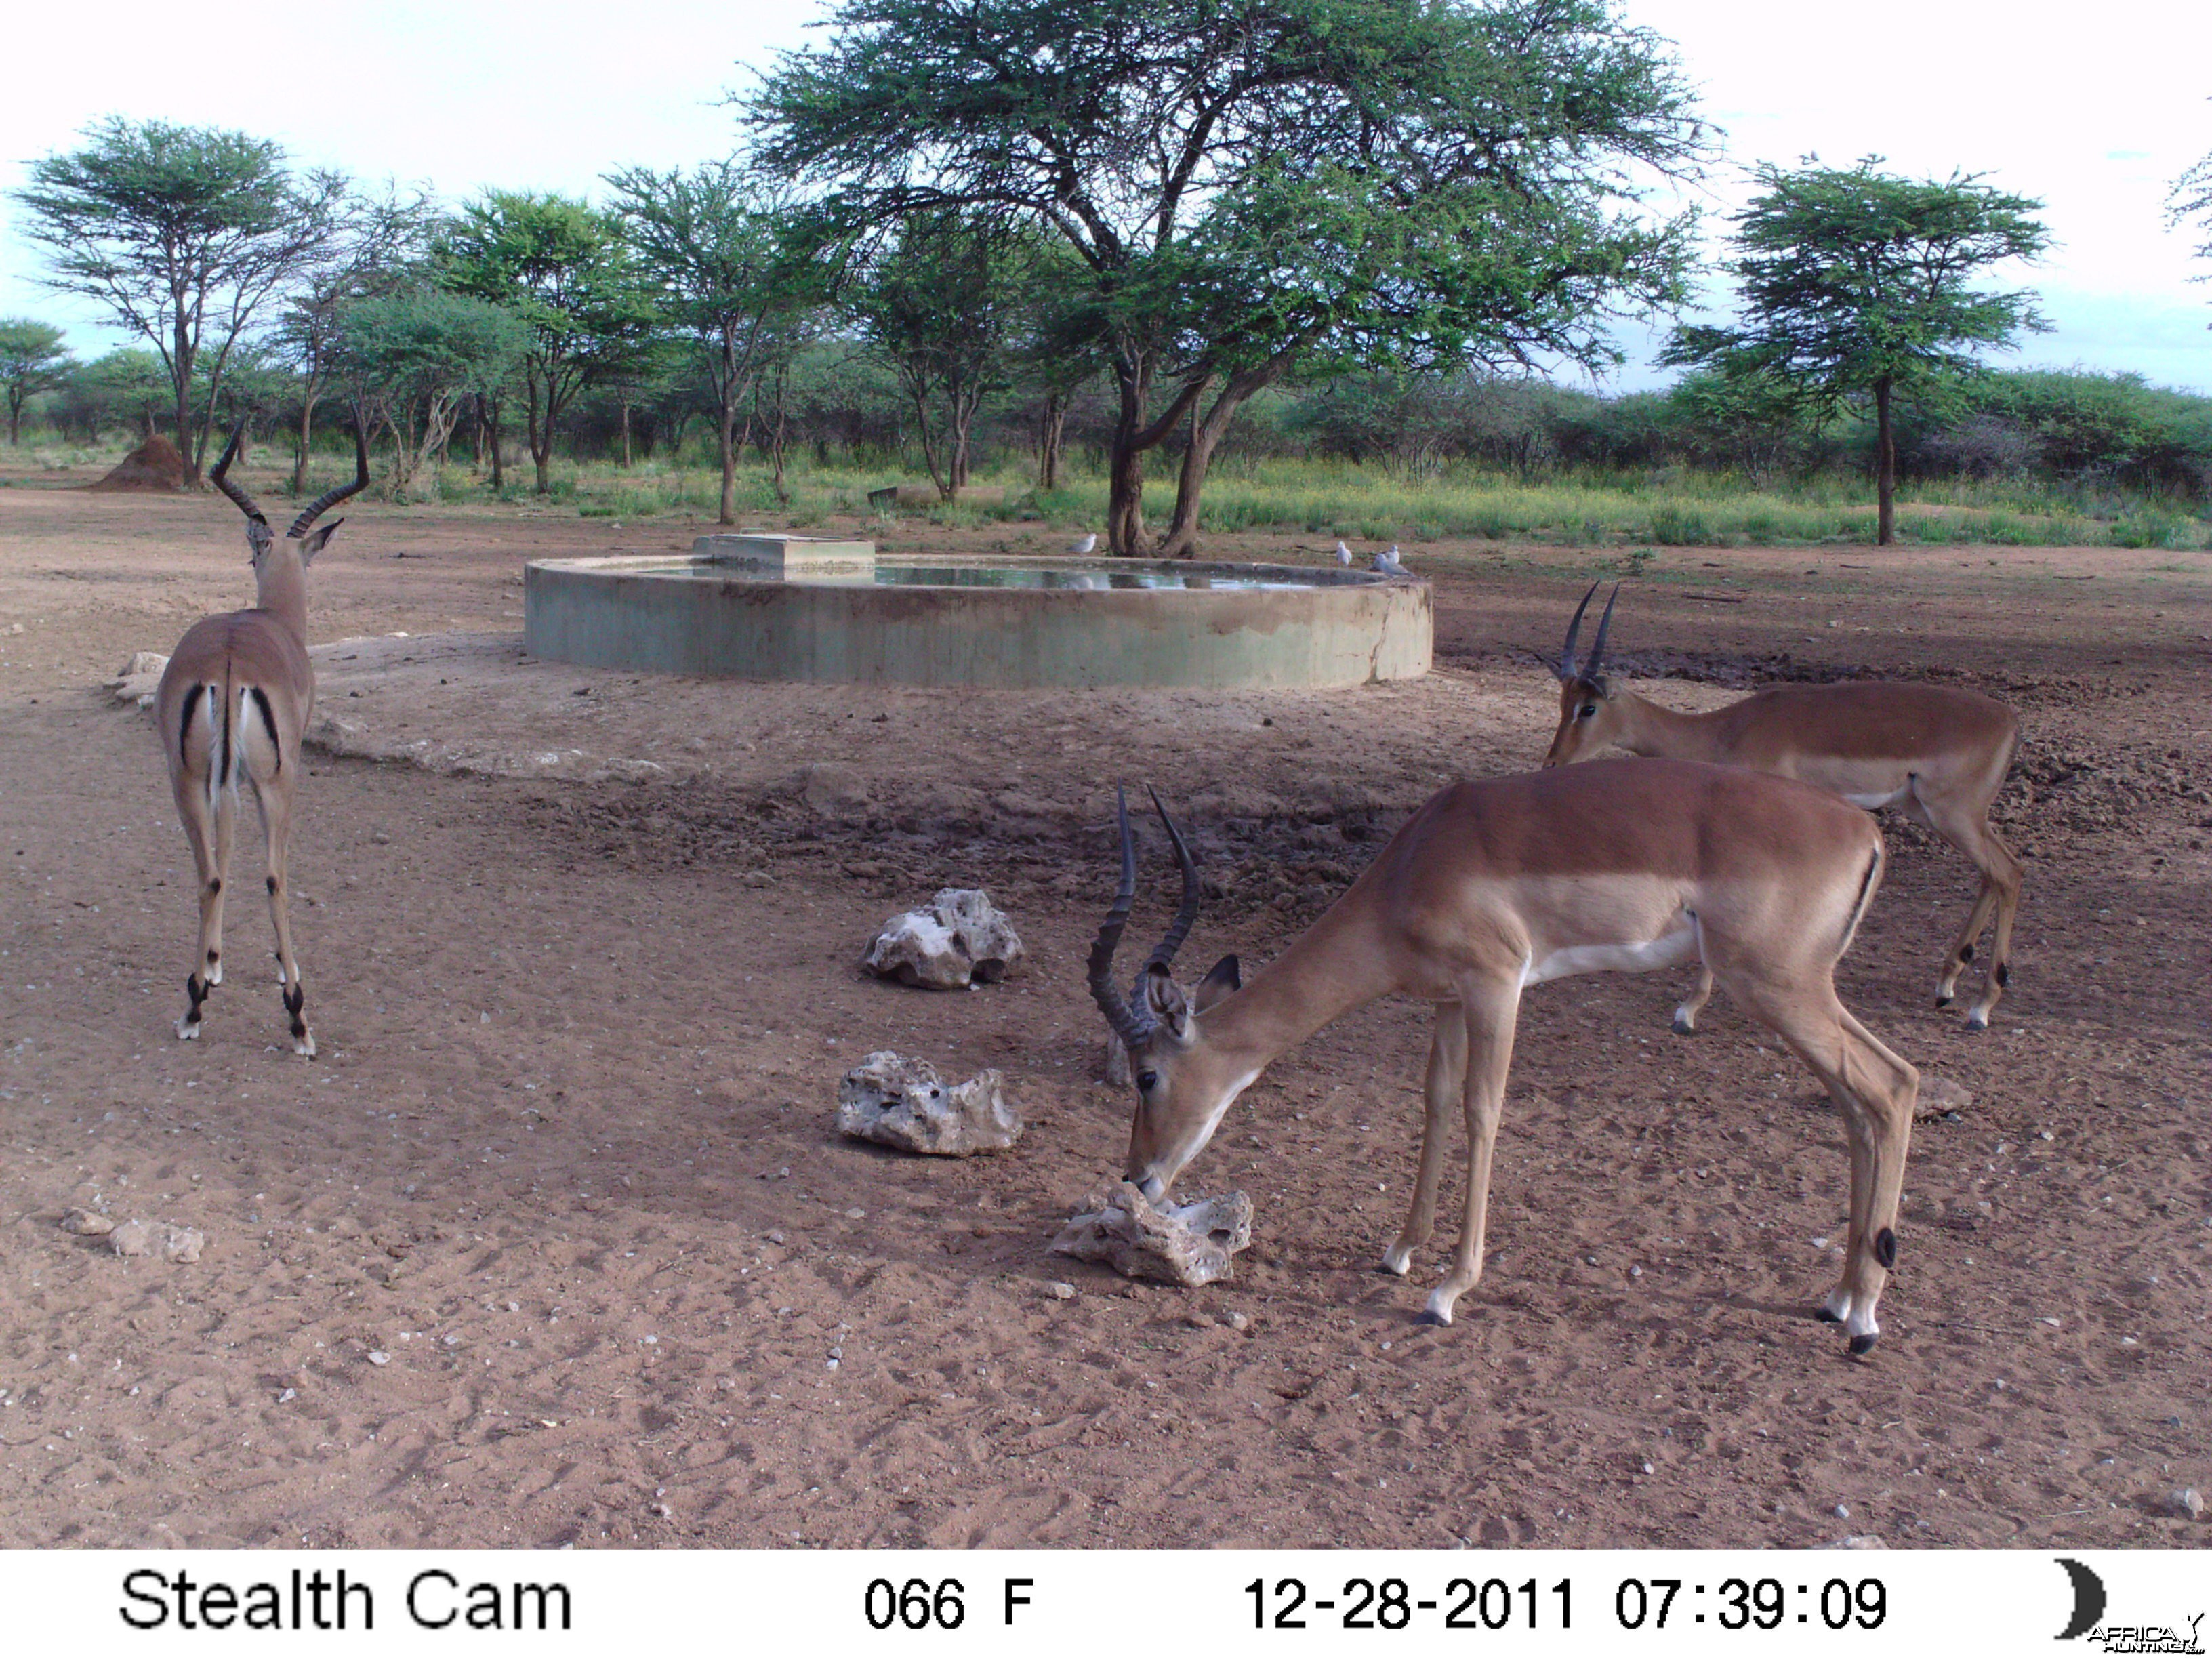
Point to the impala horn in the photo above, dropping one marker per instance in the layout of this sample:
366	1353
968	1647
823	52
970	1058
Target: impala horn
1126	1025
323	503
256	530
1566	671
1592	669
1164	953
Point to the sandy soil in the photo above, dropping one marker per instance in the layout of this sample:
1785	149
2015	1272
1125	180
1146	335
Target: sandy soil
582	955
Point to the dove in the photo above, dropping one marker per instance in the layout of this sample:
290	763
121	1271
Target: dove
1085	544
1343	553
1386	563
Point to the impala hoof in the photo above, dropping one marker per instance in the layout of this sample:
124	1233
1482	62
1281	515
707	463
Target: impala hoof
1978	1020
1431	1316
304	1046
1684	1025
1826	1317
1943	998
187	1030
1861	1345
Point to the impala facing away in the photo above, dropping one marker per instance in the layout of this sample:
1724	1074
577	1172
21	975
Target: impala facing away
1937	754
1497	885
232	706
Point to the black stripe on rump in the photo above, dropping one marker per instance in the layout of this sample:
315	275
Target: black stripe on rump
185	724
269	723
222	771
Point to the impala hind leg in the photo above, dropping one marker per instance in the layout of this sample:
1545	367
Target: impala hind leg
1447	1076
1491	1014
1968	828
1686	1011
275	803
208	826
1873	1091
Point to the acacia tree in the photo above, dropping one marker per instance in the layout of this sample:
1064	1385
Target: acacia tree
1856	284
183	234
374	244
2191	198
562	269
1378	181
412	360
32	359
728	261
938	306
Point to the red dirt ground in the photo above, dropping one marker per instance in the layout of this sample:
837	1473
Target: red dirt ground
582	955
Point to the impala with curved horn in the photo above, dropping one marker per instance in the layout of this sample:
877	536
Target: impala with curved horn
1937	754
232	706
1497	885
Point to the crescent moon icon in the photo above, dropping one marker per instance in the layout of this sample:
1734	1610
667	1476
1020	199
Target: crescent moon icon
2088	1599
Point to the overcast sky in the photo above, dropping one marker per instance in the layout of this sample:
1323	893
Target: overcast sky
2094	110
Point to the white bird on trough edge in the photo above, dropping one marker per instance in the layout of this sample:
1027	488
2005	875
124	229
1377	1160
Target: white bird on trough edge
1343	553
1088	543
1387	564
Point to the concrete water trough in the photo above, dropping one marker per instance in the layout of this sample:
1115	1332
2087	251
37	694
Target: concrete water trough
792	608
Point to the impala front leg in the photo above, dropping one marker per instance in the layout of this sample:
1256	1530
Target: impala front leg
1491	1016
1447	1076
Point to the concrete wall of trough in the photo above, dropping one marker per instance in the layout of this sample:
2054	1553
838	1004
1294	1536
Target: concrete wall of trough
642	613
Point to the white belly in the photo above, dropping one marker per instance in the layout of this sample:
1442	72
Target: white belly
1894	798
1665	951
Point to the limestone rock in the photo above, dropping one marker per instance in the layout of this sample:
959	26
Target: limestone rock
960	940
834	791
174	1243
1188	1244
1939	1095
903	1104
86	1224
138	679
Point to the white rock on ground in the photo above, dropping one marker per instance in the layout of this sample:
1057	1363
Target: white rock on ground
961	939
86	1224
1187	1244
139	678
904	1103
175	1243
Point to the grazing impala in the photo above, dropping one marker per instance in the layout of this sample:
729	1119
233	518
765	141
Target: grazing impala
232	706
1937	754
1497	885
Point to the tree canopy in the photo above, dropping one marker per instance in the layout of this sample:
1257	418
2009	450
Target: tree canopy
1366	181
727	261
183	235
1856	284
561	266
32	359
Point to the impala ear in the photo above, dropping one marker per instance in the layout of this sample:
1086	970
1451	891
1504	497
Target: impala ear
1220	980
312	543
1163	1000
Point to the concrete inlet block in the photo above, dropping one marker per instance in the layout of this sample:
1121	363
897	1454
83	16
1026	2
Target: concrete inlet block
783	558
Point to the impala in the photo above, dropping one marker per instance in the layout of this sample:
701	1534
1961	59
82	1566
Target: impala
232	706
1494	887
1937	754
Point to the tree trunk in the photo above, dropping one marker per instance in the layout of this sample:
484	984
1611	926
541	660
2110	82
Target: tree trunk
1125	465
493	411
307	437
625	423
540	431
1205	436
1885	467
15	419
729	426
1050	428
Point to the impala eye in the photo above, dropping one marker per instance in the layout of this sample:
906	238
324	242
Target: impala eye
1146	1080
1586	711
